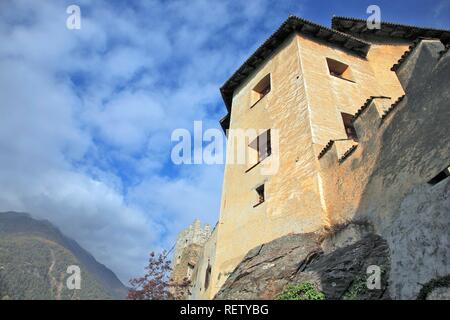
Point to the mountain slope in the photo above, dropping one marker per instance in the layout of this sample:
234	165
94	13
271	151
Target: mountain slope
34	256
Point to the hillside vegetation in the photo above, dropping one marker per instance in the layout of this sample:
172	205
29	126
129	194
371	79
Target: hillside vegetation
34	257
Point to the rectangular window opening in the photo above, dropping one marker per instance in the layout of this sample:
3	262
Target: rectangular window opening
347	119
261	89
259	149
260	193
207	276
339	69
440	176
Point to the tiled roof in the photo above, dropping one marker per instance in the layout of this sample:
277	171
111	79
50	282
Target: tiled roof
407	53
326	148
290	25
388	29
392	107
366	105
341	35
348	153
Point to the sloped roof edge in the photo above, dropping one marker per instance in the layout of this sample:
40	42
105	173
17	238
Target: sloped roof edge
290	25
388	29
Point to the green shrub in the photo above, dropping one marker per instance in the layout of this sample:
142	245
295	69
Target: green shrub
356	289
303	291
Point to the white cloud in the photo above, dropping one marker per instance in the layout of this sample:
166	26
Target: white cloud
86	116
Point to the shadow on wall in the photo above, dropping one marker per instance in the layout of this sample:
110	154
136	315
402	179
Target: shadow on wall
412	146
398	221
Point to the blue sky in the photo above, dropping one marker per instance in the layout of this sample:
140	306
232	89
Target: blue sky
86	115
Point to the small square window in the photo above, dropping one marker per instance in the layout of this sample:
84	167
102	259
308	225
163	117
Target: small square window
339	69
261	89
261	196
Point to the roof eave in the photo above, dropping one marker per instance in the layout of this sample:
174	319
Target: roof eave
290	25
389	29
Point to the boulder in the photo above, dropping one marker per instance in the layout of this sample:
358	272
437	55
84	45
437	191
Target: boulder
299	258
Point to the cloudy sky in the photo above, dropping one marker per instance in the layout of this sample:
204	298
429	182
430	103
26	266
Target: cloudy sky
86	115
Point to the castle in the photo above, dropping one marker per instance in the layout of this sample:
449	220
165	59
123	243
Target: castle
360	125
188	248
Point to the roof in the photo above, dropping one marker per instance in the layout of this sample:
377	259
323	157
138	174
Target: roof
389	29
225	122
290	25
339	34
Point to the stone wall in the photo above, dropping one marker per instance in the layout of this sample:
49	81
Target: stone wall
188	249
202	287
183	271
194	234
385	179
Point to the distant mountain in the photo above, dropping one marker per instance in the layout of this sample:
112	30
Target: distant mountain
34	256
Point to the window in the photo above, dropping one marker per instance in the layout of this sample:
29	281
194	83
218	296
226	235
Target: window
349	128
440	176
260	90
207	276
259	149
339	69
260	192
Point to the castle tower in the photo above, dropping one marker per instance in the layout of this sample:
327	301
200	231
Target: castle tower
298	90
188	249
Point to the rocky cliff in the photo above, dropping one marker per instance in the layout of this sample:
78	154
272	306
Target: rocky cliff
338	263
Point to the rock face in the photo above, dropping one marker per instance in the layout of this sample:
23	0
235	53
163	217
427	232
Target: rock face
300	258
436	289
267	268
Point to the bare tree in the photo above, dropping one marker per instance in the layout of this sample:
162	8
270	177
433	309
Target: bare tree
156	283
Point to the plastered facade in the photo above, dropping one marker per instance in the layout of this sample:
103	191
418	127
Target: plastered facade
304	105
325	178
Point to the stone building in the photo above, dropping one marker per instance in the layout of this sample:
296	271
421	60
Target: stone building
188	249
352	137
201	278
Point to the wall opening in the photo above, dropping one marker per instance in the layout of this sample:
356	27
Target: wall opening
261	90
339	69
190	270
350	130
259	149
260	195
207	276
440	176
